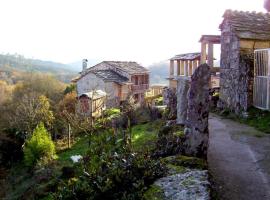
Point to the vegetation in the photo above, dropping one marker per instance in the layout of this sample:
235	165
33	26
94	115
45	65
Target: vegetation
119	159
257	118
39	148
144	136
14	67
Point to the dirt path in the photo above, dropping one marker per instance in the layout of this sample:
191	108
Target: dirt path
239	160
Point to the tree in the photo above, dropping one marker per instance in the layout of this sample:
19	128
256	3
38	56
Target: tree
29	111
39	147
128	107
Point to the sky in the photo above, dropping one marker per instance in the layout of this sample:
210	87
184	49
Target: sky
146	31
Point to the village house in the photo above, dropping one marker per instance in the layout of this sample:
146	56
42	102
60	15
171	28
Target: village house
116	78
241	34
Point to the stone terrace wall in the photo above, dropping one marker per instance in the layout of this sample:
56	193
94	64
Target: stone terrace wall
229	69
236	72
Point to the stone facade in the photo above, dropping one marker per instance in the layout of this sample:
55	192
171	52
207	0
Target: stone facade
238	42
182	100
197	113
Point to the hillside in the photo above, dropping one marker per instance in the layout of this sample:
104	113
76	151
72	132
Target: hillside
159	73
12	67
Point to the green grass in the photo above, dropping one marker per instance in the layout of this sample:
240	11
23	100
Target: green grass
144	136
257	118
79	148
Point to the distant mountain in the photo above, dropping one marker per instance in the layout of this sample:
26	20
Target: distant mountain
16	64
77	66
159	72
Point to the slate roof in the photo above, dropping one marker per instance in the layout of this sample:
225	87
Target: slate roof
110	75
248	25
215	39
187	56
128	67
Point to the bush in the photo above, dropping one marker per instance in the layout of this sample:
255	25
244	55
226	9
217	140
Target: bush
111	171
39	147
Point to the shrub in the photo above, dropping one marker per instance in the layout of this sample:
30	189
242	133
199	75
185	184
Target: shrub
39	147
110	171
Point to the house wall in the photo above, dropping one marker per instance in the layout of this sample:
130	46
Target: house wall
91	82
236	69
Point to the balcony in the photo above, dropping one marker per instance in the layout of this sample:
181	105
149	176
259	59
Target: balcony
139	87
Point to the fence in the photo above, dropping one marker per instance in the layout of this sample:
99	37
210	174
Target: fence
261	88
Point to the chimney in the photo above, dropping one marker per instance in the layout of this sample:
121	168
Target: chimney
84	64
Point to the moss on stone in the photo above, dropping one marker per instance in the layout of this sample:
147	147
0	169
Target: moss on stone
174	169
154	193
185	161
179	133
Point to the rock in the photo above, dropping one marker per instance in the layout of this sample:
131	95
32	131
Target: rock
169	98
190	185
75	158
197	114
183	84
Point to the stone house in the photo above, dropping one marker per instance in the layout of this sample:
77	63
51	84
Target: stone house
241	34
117	79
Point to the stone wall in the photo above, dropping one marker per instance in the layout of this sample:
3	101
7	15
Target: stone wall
236	70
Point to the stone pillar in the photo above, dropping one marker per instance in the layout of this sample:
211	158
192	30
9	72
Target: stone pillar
182	68
203	52
190	68
210	59
178	67
171	67
194	65
196	130
183	84
186	68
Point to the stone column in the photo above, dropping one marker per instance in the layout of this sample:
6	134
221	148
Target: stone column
196	130
183	84
182	68
190	68
171	67
178	68
203	52
194	65
210	59
186	68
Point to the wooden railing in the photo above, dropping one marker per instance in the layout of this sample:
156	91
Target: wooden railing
140	87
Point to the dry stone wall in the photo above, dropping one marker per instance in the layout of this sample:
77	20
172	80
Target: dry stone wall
236	78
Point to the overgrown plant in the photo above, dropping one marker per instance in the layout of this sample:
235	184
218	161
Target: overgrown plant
39	148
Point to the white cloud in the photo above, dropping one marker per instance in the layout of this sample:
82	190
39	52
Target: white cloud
142	30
